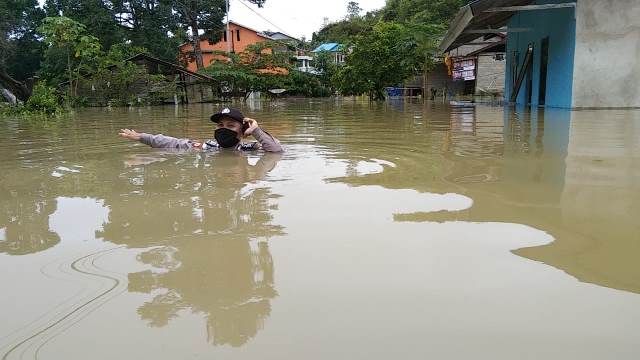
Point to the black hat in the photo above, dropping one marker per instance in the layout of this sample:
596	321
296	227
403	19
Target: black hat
234	114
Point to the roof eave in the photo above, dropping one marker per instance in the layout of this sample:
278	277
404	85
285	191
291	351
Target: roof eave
459	23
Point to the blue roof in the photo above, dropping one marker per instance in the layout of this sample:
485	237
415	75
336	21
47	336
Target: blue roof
328	47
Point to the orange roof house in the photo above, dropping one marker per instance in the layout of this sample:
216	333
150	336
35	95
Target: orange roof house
239	36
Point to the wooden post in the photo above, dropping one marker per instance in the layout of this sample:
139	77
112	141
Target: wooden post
424	85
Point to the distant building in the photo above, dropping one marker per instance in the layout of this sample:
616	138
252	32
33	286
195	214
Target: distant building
337	51
559	53
304	63
238	38
287	43
479	68
276	35
467	70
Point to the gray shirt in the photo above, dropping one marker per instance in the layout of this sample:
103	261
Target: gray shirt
265	142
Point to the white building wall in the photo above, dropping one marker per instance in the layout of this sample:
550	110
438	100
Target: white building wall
607	55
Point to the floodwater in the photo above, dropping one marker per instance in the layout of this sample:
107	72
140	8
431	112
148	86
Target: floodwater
394	230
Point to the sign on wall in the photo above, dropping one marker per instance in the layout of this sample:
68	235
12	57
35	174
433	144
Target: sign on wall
464	69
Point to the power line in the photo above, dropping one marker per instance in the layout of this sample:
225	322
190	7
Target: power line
262	17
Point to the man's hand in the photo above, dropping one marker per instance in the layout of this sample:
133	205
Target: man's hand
130	134
252	126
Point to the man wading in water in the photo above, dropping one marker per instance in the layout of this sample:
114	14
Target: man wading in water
231	127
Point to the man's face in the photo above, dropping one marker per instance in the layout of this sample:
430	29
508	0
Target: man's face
230	124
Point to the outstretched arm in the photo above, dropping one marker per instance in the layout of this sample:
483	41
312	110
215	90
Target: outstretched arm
158	141
266	141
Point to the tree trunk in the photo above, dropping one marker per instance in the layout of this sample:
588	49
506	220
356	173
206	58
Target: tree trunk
20	89
196	45
8	96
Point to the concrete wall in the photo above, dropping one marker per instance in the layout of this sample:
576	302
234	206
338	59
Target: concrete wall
490	74
559	26
247	37
607	55
437	78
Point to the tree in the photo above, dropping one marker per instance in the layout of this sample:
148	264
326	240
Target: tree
20	51
98	17
151	24
344	31
62	33
353	10
421	11
383	57
116	81
203	15
258	68
326	67
427	39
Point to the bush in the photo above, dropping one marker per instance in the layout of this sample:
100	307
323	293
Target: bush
305	84
43	100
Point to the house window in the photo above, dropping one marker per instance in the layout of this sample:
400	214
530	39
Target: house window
225	36
238	34
498	57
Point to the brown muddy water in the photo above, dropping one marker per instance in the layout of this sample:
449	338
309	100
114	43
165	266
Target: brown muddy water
384	231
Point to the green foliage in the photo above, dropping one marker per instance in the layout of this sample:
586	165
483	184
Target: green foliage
206	15
20	49
67	36
326	67
260	56
103	78
118	82
96	15
43	100
23	61
305	84
54	66
344	31
430	12
236	78
147	23
242	73
383	57
389	45
353	9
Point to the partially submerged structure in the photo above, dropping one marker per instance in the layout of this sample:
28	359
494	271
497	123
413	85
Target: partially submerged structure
560	53
196	87
469	70
189	86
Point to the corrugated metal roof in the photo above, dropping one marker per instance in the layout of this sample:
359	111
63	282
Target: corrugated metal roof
474	17
328	47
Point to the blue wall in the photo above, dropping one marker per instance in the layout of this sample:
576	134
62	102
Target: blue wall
560	26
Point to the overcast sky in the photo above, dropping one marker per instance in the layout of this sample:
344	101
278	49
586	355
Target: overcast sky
296	17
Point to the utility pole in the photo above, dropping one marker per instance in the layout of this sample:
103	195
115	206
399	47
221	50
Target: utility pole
229	35
260	4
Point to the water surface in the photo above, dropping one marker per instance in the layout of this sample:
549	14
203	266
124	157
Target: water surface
384	231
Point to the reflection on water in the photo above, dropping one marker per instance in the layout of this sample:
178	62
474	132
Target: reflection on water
25	223
207	218
377	213
572	174
597	227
